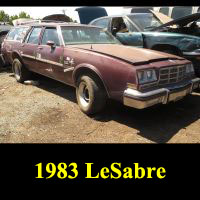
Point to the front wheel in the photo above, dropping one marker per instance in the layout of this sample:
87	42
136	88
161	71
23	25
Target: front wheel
90	94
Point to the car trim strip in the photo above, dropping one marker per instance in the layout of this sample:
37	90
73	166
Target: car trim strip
28	56
49	61
43	60
68	69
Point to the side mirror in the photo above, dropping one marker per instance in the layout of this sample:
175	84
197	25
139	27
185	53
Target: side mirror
51	43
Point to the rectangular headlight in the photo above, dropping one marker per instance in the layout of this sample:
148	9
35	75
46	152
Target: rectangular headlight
146	76
189	68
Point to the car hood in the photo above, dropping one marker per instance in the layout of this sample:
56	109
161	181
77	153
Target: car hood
162	17
182	21
89	13
131	55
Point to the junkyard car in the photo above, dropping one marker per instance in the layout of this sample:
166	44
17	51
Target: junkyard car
147	30
93	61
4	29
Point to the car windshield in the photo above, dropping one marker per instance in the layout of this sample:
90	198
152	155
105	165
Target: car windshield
87	35
145	21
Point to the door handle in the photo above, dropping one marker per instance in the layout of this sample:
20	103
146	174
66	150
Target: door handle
40	47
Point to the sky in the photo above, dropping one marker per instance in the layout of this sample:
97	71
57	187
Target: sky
40	12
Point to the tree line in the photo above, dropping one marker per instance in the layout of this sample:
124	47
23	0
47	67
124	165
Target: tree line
4	17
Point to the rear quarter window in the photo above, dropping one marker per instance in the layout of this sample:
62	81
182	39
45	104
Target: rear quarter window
17	34
11	34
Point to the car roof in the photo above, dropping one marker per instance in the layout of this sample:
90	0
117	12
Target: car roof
70	24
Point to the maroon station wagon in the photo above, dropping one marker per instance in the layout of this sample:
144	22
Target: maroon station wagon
97	65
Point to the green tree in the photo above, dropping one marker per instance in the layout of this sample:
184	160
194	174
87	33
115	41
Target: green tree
24	15
3	16
21	15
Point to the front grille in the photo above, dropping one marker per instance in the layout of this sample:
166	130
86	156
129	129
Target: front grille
173	74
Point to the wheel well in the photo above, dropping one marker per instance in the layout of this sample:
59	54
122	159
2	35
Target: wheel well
16	55
89	72
161	47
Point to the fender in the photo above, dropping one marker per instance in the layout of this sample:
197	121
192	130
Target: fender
17	54
91	68
160	47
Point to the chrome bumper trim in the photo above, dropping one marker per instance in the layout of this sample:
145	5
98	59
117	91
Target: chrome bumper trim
139	100
193	53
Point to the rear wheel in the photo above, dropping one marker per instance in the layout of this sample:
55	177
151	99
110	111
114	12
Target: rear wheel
21	73
90	94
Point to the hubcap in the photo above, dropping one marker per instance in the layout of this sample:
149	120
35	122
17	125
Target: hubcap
17	71
84	95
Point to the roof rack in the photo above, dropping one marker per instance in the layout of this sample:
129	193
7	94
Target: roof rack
40	21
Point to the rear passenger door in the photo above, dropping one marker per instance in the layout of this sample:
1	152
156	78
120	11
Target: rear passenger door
29	49
49	58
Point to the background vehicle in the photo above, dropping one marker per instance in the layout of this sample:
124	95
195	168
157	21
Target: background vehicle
87	14
87	56
20	21
178	11
57	17
4	29
136	9
143	30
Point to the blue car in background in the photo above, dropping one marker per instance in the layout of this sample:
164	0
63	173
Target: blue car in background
146	30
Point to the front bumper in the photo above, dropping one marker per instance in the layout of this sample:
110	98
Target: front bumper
139	100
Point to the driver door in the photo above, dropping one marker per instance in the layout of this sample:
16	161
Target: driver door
49	57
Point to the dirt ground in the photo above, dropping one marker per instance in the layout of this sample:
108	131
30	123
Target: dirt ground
48	113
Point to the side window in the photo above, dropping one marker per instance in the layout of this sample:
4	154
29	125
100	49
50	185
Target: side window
34	35
50	34
103	23
118	26
68	35
21	33
131	27
27	36
12	34
17	34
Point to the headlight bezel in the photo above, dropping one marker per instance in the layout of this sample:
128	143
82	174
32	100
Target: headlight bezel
147	78
189	68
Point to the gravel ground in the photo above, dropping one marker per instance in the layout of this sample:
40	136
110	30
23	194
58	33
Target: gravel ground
48	113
